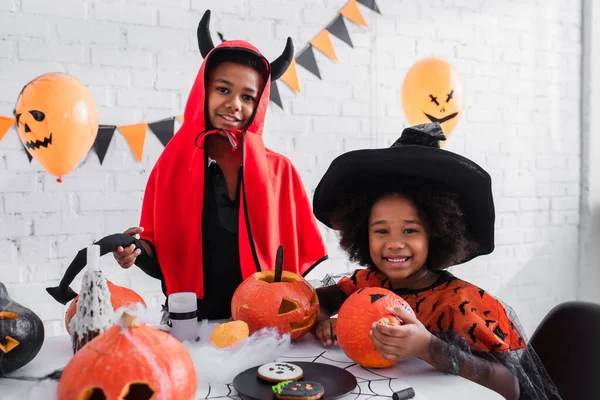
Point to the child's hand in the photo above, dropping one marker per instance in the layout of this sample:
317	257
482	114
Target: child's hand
126	256
410	340
326	332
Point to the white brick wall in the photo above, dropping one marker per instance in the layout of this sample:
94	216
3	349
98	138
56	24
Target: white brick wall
519	60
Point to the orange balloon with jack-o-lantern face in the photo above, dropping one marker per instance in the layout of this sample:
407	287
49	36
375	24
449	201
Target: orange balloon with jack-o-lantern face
57	121
433	91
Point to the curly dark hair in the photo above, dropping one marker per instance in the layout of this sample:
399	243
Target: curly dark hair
449	242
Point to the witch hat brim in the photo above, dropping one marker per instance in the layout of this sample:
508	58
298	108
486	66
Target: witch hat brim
63	292
352	173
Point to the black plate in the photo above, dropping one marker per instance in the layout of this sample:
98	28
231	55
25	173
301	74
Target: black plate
336	381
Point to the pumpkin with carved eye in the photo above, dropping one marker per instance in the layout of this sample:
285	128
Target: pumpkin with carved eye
21	334
355	319
291	305
57	121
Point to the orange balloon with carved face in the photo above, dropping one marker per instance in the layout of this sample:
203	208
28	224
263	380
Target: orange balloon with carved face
433	91
57	121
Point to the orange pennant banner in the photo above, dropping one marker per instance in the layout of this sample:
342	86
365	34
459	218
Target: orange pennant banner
135	135
352	12
5	124
180	118
322	42
290	77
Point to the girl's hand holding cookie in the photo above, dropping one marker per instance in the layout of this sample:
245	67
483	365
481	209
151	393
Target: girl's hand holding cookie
326	332
410	340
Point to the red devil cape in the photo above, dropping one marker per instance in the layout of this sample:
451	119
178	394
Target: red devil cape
274	207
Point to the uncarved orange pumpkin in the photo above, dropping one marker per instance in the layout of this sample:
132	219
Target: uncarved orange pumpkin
132	361
291	306
119	296
354	321
229	333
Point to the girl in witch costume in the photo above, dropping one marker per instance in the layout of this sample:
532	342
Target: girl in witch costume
218	203
407	213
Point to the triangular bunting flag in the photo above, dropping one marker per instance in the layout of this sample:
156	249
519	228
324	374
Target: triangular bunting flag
163	130
322	42
29	156
371	4
308	61
290	77
103	138
5	124
135	135
180	118
351	12
338	29
275	97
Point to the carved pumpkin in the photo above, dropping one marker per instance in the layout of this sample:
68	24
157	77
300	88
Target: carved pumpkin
354	321
57	121
229	333
291	306
119	296
21	334
130	361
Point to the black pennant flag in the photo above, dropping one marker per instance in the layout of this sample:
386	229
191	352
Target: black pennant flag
163	129
338	29
29	156
275	97
307	59
370	4
103	138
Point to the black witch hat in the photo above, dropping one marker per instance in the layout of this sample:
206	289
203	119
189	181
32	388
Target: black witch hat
415	157
277	67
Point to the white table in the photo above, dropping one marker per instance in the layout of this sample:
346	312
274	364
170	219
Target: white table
428	383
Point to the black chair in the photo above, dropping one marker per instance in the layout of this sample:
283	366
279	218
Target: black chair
568	343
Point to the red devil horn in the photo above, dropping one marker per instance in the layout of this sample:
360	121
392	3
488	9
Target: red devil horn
205	42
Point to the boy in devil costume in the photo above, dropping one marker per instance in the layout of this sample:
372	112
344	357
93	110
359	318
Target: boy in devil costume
218	204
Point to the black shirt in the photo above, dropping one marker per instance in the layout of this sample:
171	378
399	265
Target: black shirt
221	260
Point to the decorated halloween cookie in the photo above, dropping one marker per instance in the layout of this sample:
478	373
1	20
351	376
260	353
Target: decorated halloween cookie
300	390
279	372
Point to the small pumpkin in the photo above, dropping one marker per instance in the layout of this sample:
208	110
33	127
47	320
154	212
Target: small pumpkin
21	334
229	333
119	297
354	321
291	305
130	361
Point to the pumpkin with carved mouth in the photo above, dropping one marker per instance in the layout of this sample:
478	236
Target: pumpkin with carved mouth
57	121
433	91
21	334
290	305
130	361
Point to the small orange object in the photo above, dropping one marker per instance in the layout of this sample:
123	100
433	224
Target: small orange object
229	333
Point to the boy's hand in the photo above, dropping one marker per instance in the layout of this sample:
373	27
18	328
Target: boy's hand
326	332
126	256
410	340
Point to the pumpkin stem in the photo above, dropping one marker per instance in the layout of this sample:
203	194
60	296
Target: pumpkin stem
130	320
278	264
